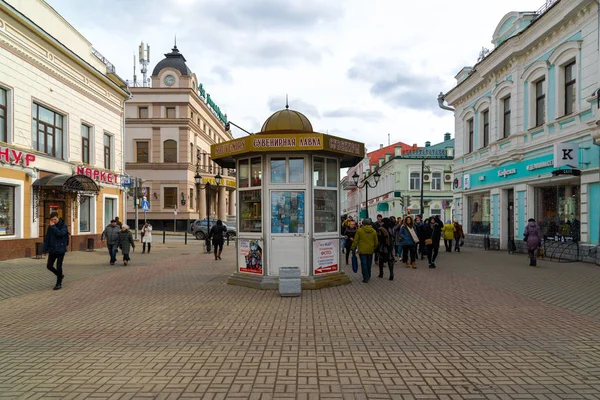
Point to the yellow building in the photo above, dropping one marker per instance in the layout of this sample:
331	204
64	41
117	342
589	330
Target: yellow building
61	130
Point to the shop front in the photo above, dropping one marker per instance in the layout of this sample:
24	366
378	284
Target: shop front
288	201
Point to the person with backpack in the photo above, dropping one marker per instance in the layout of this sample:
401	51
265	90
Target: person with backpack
56	242
385	237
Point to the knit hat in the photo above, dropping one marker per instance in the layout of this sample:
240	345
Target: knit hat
367	221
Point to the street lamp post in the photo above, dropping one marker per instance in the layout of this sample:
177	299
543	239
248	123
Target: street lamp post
366	184
422	211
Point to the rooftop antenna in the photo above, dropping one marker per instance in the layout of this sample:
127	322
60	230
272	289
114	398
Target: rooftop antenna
389	139
175	40
144	57
287	106
134	75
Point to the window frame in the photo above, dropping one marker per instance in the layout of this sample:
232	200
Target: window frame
54	135
175	189
485	128
164	149
167	109
441	181
505	114
108	149
86	144
470	135
147	109
418	181
4	120
540	112
137	152
570	84
87	201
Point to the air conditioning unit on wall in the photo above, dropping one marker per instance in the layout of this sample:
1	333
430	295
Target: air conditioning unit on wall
448	178
426	177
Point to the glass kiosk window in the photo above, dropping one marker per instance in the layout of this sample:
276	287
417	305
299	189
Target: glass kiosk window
287	212
325	181
250	194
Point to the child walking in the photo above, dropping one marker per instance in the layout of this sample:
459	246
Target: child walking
126	243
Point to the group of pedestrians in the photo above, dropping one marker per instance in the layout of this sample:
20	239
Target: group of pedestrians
389	239
118	236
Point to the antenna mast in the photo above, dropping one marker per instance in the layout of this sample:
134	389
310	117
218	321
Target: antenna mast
134	75
144	57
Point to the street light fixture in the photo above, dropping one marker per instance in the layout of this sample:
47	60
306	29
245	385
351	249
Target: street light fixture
423	166
366	184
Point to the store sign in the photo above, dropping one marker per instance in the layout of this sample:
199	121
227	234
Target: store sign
326	256
213	106
466	181
97	175
574	172
288	142
16	157
224	182
540	165
566	155
503	173
250	256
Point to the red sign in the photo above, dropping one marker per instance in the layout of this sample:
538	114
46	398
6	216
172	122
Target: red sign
326	254
100	176
15	156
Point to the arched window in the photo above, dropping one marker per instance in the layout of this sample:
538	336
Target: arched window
170	151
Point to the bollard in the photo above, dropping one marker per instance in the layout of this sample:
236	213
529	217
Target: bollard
90	244
164	236
228	239
185	236
207	241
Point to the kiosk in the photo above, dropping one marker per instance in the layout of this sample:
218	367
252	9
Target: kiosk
288	198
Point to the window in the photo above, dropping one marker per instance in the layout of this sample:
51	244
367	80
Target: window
506	120
7	210
85	215
170	200
540	103
3	115
436	181
191	199
47	131
471	136
479	213
486	128
170	112
170	151
436	211
86	133
570	87
558	211
191	153
142	152
109	210
415	181
107	151
256	170
142	112
278	170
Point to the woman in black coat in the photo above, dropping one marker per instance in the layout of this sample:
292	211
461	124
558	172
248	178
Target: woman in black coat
217	234
432	233
349	231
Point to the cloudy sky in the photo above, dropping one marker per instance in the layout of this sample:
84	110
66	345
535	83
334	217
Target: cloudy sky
358	69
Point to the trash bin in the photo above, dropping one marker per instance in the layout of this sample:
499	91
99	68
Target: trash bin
39	249
290	283
90	244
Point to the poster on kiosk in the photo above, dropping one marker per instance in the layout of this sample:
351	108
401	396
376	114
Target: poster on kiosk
326	255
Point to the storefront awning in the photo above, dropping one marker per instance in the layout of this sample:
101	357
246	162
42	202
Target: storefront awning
383	207
363	214
67	183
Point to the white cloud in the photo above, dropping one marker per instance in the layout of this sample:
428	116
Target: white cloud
380	62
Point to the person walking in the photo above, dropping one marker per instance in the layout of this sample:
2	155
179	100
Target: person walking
432	232
533	237
409	241
459	235
217	234
111	234
125	243
449	231
349	232
56	242
385	237
366	242
419	225
146	237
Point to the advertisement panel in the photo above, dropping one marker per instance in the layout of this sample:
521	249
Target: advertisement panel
326	256
250	256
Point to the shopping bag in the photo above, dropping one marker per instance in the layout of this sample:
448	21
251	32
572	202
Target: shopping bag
354	263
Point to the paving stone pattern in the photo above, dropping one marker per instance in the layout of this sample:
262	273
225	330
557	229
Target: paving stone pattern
171	328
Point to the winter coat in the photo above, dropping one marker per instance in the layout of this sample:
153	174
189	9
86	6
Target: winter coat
533	235
458	233
449	231
366	240
57	238
386	240
111	234
350	233
217	233
433	232
147	234
125	241
405	238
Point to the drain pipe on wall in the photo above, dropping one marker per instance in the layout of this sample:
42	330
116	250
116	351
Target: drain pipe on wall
442	98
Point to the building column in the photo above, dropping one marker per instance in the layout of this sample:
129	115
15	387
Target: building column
231	203
202	203
222	205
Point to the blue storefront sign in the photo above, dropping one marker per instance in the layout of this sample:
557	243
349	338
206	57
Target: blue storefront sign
521	170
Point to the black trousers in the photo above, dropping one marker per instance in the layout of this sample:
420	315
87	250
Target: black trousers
532	258
457	245
217	244
448	244
409	250
432	253
144	247
58	271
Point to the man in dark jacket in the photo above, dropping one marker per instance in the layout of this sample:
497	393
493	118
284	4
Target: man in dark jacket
111	234
55	245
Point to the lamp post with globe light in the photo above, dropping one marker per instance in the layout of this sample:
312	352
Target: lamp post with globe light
366	184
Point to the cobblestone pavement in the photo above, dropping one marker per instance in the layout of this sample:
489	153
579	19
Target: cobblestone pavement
481	326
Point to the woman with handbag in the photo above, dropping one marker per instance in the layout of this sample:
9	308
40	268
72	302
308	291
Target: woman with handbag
432	233
146	237
409	241
385	236
349	232
459	235
533	237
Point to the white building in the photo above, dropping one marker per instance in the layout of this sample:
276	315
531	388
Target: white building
61	135
536	91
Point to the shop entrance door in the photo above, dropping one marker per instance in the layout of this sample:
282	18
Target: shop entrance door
511	216
51	206
289	239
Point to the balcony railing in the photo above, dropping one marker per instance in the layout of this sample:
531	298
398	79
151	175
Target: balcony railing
545	7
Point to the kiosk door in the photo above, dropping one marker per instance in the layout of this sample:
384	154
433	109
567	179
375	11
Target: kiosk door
289	239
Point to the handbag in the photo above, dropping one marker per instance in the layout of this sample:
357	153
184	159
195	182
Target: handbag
354	263
428	242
